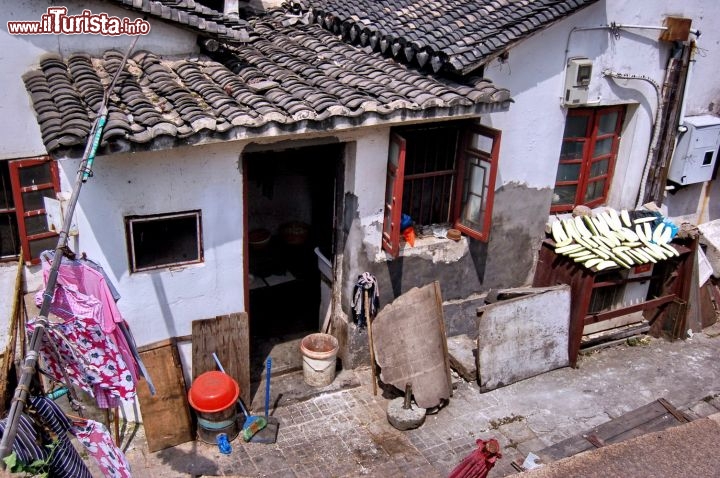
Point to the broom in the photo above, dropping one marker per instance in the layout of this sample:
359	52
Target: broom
253	423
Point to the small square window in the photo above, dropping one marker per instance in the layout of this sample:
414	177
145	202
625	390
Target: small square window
164	240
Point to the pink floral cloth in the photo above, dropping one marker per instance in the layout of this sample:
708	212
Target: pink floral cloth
97	441
88	355
89	282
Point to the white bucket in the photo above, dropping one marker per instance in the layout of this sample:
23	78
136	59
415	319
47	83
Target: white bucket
319	353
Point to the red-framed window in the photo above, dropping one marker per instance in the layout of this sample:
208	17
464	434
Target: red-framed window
23	222
587	157
441	174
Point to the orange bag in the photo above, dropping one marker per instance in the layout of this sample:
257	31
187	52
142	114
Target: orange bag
409	235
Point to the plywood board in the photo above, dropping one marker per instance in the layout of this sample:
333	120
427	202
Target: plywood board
410	345
653	417
523	337
166	415
229	337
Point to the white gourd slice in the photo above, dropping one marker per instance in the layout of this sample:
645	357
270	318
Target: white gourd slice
629	234
642	220
580	226
590	225
640	232
671	249
666	236
657	233
614	223
648	231
606	265
558	233
568	249
564	242
592	262
647	251
625	218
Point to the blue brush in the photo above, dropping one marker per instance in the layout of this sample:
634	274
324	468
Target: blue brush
267	386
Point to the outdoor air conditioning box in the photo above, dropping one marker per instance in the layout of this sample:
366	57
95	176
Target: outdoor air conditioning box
577	80
696	151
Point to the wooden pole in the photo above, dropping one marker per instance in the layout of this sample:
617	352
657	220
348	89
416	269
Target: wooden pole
370	337
117	426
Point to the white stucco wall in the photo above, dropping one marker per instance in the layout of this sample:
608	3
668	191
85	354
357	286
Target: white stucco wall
162	303
534	72
20	53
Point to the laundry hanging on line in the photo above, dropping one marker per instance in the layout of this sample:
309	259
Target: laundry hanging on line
93	343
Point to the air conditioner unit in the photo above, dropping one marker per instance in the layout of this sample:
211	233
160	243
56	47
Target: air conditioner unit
696	151
577	80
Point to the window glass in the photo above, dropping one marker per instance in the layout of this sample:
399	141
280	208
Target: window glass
599	168
475	190
607	122
575	126
583	166
602	147
6	196
9	239
165	240
568	172
572	150
33	200
564	194
44	244
594	190
482	143
36	224
35	175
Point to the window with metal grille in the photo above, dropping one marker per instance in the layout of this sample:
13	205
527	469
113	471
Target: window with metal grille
164	240
24	184
441	174
587	157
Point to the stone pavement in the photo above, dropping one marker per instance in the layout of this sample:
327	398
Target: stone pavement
346	434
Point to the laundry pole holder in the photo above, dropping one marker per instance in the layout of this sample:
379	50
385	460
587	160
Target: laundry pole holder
30	361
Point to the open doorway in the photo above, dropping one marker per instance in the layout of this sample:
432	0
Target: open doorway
290	206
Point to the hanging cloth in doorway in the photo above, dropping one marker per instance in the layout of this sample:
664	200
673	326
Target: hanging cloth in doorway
365	282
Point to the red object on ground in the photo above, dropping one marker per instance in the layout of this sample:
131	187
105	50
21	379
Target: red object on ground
213	392
478	463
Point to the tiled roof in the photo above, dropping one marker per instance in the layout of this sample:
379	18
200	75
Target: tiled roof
192	15
451	35
286	79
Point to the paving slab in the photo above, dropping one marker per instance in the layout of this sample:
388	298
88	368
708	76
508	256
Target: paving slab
345	432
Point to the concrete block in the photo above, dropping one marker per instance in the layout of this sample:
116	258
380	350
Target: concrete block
523	337
462	351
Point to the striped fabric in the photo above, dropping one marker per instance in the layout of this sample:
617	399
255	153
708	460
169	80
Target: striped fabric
30	445
65	461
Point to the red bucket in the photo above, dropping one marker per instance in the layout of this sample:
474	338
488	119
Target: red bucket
213	396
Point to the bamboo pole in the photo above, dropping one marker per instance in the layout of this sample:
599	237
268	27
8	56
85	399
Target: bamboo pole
30	362
370	338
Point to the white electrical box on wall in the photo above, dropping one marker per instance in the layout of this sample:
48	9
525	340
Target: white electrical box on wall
577	80
696	151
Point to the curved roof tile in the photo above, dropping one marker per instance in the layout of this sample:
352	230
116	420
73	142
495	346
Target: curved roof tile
291	78
436	34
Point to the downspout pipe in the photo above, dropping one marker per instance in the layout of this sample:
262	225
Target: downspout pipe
656	125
